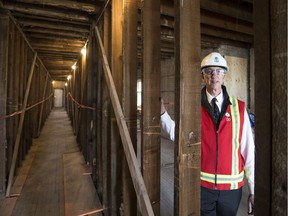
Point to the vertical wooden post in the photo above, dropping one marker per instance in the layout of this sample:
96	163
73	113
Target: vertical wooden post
279	66
270	27
4	29
263	108
187	110
106	114
11	108
130	62
21	74
100	142
117	74
20	126
151	105
42	104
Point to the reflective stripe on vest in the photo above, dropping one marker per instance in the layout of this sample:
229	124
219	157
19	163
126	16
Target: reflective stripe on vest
236	133
223	179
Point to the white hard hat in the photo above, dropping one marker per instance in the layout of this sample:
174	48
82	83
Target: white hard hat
214	59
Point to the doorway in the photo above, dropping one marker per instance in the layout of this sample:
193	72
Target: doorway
58	97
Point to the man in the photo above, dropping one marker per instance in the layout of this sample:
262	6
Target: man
227	145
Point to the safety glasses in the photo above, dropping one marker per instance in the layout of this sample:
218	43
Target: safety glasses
210	71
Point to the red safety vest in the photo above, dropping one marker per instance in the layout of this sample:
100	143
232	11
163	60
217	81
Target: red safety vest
222	166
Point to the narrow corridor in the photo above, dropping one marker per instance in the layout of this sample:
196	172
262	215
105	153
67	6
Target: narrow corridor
54	179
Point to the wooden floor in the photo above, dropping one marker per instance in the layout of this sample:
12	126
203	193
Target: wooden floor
54	179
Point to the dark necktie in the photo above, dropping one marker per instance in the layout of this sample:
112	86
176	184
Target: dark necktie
215	110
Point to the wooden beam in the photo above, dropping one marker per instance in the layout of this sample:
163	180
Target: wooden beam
46	12
151	132
57	54
139	185
187	108
279	66
106	106
234	25
226	35
24	16
42	105
62	33
4	29
40	38
20	126
65	63
235	11
52	25
130	96
88	7
117	156
70	50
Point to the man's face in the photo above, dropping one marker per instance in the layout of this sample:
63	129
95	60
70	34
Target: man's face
213	77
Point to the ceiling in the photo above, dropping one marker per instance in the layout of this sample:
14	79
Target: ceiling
58	29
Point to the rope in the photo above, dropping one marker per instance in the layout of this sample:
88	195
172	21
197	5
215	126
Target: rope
78	104
24	110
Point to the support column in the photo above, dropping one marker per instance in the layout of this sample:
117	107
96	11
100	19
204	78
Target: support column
270	41
151	104
130	97
4	29
117	74
187	109
42	105
106	114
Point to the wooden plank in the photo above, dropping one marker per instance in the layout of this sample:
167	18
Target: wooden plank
142	195
130	64
236	11
11	107
40	11
43	191
117	156
42	105
279	66
4	29
150	158
68	4
20	126
80	193
106	112
263	108
51	25
187	109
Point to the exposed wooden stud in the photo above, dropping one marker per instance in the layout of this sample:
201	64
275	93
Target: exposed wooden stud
139	186
130	97
187	109
4	29
150	101
15	91
11	104
106	110
42	104
20	126
117	75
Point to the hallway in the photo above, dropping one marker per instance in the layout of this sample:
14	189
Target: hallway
54	179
